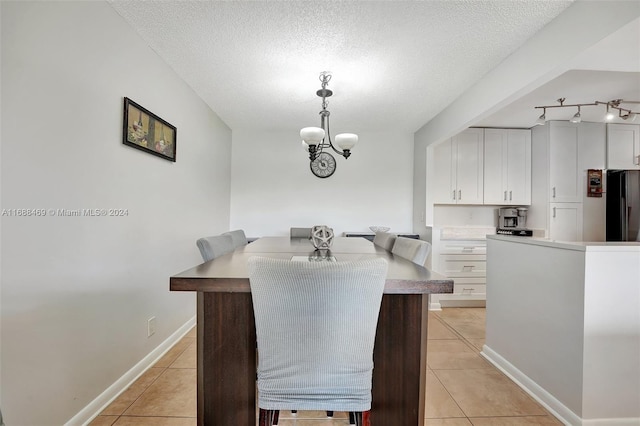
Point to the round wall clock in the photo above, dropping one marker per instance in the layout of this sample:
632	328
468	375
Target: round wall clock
324	165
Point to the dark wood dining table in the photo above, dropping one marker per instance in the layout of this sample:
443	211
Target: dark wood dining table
226	339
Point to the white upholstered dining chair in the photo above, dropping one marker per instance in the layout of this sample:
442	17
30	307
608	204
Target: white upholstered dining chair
315	325
384	240
216	246
300	232
238	238
414	250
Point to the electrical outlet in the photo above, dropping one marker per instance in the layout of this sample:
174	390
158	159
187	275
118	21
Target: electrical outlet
151	326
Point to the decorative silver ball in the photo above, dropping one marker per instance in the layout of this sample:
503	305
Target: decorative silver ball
321	237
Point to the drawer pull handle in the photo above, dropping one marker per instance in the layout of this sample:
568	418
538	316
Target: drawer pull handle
510	195
467	248
505	195
468	289
459	194
467	268
454	194
554	192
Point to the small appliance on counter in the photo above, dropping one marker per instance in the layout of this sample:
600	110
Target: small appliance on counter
513	221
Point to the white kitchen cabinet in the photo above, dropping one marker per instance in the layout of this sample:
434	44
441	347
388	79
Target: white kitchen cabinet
507	166
562	154
565	221
623	146
459	170
465	262
564	178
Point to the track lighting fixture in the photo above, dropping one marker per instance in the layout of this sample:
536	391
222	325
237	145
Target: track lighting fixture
623	113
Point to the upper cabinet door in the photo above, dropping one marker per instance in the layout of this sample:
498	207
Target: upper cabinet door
564	185
458	169
469	149
623	146
444	184
518	166
507	166
495	176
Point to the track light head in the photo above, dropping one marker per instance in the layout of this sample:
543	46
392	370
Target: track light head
576	118
609	115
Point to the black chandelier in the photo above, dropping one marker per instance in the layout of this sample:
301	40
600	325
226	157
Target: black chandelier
318	139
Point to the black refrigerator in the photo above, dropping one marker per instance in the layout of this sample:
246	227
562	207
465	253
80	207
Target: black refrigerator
623	205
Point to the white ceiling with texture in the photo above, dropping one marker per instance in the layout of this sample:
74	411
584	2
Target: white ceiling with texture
395	64
606	71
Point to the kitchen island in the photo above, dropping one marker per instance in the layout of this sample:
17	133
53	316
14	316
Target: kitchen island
563	321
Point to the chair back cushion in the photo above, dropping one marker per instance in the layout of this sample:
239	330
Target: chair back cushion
216	246
316	325
412	249
238	237
384	240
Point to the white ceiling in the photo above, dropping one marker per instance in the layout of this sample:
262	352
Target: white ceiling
606	71
395	64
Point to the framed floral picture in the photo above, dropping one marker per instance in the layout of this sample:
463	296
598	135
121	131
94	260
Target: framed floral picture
145	131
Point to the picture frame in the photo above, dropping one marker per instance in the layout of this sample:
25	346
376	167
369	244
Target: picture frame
147	132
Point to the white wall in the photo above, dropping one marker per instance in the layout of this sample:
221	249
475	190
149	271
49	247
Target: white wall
612	334
543	309
273	188
568	332
77	291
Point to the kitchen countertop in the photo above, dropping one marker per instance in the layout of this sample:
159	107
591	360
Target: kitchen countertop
473	232
571	245
465	232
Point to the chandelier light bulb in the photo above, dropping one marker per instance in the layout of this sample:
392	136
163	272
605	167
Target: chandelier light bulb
346	140
312	135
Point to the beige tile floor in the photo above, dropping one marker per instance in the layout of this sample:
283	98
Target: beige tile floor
462	388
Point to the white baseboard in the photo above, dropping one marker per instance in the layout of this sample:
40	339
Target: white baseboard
547	400
463	303
632	421
95	407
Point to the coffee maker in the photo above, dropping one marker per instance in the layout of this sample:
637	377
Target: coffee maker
513	221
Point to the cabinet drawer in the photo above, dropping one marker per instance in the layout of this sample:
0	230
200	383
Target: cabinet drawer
464	247
464	257
469	280
464	289
464	268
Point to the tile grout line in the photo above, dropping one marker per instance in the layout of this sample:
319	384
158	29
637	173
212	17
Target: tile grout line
438	378
164	369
